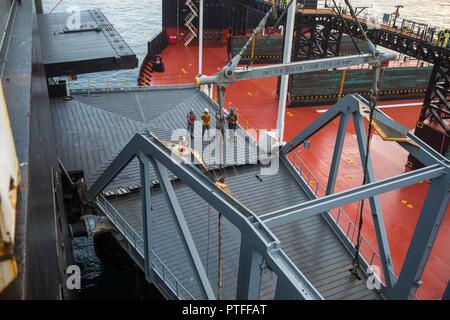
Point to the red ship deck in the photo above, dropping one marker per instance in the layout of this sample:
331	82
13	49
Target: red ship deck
257	106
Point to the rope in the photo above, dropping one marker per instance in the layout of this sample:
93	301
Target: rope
374	99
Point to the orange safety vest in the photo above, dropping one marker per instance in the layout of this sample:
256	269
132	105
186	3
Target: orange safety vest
206	118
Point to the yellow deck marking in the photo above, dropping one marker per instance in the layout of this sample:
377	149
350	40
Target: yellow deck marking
290	114
410	206
404	202
184	71
250	94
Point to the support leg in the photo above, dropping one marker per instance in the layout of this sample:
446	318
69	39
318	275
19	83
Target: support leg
337	154
427	228
183	230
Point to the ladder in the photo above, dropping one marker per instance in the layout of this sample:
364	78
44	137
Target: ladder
193	31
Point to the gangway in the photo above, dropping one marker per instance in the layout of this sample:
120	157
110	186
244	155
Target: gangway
315	250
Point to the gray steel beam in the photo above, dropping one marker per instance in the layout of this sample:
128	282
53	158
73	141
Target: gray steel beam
346	104
446	295
337	153
250	272
318	206
146	214
281	265
183	230
427	227
114	168
423	152
257	232
375	205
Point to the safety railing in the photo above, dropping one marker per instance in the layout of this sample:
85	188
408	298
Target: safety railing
340	217
388	21
116	83
137	243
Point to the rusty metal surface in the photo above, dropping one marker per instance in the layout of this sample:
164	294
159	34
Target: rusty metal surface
9	181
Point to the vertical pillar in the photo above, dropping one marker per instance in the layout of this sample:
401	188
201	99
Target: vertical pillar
144	163
337	152
423	239
250	273
289	33
200	38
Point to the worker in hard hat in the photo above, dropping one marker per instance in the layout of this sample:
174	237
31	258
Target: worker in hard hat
232	119
191	118
206	122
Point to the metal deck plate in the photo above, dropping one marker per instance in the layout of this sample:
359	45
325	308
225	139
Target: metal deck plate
93	47
93	129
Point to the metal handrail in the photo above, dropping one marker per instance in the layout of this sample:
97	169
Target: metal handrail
138	243
370	257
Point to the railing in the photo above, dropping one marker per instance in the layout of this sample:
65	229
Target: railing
339	216
123	83
157	44
405	26
137	243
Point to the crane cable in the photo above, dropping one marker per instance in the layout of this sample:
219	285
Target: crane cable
336	8
277	23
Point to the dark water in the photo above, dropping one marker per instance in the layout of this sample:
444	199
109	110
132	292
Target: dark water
104	281
137	22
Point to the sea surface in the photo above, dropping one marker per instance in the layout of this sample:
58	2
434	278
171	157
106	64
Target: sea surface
137	22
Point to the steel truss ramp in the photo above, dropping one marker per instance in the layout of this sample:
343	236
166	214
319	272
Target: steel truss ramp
257	243
259	246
